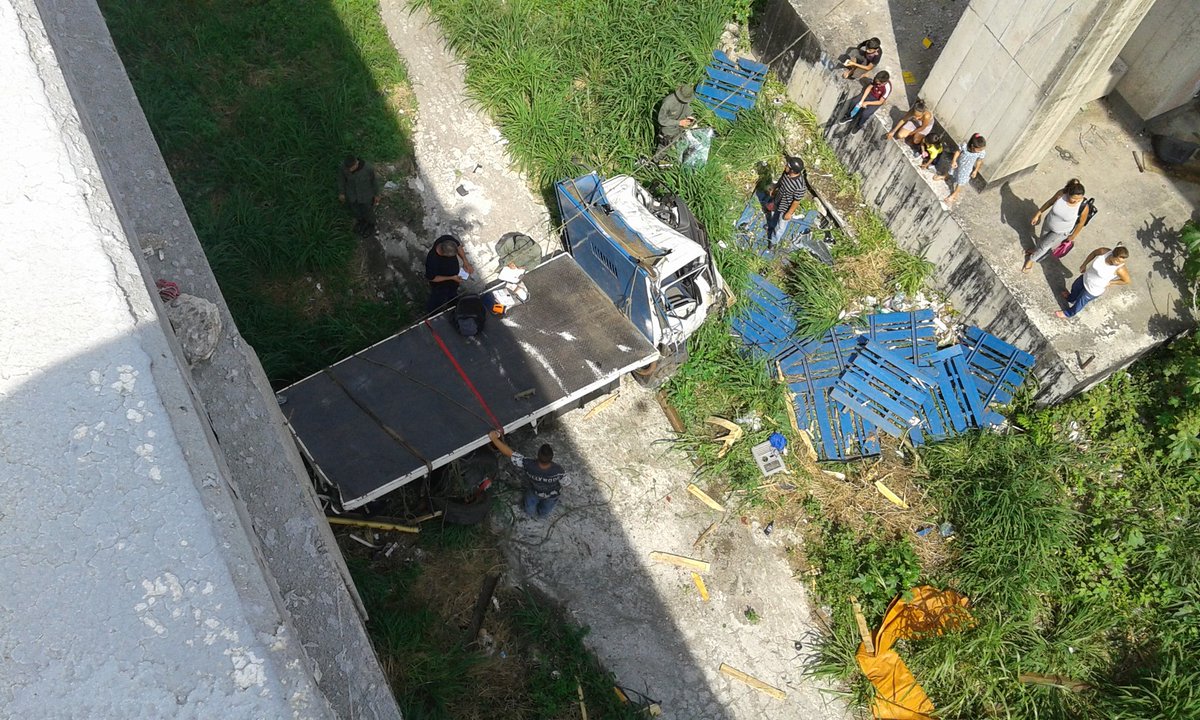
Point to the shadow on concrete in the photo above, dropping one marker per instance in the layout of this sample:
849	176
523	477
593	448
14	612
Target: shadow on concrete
912	23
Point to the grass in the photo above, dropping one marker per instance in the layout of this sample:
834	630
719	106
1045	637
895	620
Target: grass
253	106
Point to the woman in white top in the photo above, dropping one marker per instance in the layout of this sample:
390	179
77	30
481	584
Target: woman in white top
1068	214
1102	268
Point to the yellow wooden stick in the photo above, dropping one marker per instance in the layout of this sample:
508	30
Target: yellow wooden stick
334	520
891	496
681	561
704	497
753	682
699	583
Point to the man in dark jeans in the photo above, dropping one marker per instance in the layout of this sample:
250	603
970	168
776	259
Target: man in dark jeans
544	478
446	267
785	198
359	188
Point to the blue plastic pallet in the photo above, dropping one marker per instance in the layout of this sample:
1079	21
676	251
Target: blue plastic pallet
766	324
886	390
729	87
957	405
999	368
913	335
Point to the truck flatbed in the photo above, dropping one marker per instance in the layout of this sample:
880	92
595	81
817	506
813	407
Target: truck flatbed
426	396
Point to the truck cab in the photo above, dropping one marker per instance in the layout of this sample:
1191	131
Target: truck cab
649	256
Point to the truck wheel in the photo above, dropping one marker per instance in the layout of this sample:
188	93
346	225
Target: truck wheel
658	372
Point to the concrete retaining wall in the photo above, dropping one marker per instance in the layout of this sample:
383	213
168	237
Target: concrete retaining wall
912	210
265	468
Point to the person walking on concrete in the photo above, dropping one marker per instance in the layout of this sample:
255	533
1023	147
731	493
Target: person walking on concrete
965	165
359	189
913	125
446	267
675	115
1068	213
869	52
1100	270
790	189
544	478
873	97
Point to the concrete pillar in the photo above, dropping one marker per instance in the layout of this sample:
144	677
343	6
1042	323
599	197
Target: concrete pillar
1017	70
1163	57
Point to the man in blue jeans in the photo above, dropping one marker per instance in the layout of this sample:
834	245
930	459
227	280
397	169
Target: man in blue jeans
544	478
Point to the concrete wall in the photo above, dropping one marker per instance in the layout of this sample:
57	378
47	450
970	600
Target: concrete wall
1163	56
1017	71
916	217
266	474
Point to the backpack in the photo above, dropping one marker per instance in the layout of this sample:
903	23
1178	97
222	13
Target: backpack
469	315
1090	204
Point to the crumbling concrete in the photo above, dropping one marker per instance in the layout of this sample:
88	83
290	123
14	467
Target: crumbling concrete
230	392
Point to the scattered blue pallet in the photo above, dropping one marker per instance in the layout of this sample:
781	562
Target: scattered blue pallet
999	368
729	87
885	389
750	232
884	375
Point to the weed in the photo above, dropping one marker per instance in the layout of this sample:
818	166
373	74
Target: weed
751	616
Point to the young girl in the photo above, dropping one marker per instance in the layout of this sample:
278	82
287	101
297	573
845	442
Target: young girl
1068	214
965	165
869	54
932	147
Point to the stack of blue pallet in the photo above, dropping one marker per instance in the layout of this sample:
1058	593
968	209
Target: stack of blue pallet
883	376
730	86
751	233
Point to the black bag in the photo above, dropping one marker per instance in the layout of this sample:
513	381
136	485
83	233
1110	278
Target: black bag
1090	204
469	315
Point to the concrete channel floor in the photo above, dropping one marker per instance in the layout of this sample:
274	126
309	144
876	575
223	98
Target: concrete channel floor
648	624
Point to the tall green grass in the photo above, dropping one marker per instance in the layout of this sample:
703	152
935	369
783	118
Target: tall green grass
254	104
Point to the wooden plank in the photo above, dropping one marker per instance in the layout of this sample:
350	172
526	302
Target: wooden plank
892	497
864	631
680	561
700	538
700	586
481	605
671	413
373	524
753	682
601	405
704	497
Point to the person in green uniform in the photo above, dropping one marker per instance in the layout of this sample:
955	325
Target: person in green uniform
359	189
675	115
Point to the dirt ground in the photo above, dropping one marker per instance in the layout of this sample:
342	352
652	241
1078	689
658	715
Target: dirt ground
628	497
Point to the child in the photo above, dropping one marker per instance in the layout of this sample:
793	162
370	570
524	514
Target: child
965	166
913	125
873	97
869	54
931	147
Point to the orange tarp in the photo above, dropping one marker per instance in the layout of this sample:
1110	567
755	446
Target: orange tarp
929	612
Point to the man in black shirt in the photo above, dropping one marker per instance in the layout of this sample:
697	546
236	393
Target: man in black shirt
544	478
785	199
446	267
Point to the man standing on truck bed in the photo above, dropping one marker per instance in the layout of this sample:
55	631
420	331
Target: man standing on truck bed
544	478
446	267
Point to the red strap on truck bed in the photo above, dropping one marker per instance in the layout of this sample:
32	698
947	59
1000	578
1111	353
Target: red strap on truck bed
463	374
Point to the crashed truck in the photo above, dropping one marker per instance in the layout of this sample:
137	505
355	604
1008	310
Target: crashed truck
634	280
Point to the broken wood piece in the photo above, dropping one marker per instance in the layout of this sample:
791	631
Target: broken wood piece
671	413
481	605
373	524
864	631
707	530
834	475
753	682
806	440
430	516
700	586
361	541
892	497
601	405
704	497
1137	158
524	394
1061	681
680	561
582	707
733	433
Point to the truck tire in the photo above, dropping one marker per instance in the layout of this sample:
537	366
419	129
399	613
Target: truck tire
658	372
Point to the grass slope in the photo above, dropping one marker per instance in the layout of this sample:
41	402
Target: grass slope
254	105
